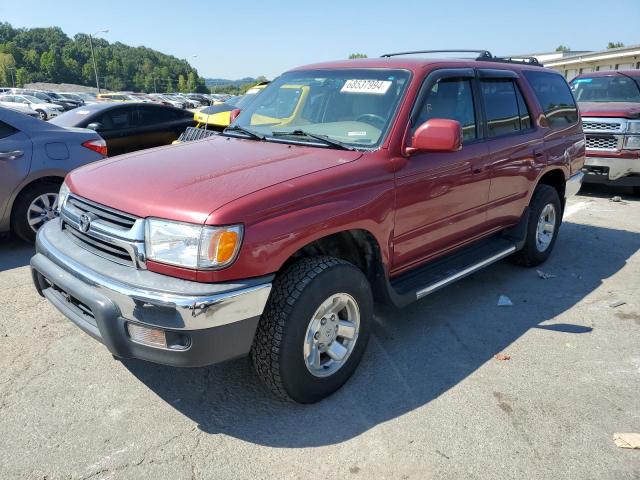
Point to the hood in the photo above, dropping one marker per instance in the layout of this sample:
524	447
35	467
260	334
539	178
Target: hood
188	181
610	109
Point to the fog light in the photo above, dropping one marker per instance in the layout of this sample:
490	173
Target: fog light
147	336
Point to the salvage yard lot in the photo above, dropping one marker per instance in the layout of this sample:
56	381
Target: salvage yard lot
430	399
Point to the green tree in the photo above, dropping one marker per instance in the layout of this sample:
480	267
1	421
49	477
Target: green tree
615	45
7	69
563	48
191	81
357	55
182	84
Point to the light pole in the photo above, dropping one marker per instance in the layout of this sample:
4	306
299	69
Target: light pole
13	78
93	57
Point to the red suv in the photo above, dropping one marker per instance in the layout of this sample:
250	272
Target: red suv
342	183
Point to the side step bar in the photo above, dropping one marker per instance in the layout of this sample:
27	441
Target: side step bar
463	273
426	279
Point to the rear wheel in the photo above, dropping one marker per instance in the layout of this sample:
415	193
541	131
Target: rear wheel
545	216
314	329
34	207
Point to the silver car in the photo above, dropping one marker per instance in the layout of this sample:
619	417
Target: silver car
35	156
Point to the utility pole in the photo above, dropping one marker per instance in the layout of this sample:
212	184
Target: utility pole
154	85
13	78
93	57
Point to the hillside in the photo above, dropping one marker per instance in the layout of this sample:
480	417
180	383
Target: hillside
30	55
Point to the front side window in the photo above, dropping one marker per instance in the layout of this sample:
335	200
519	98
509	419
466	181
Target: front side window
354	107
555	97
116	119
616	88
505	107
451	98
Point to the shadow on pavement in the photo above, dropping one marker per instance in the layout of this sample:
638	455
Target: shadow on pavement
14	253
607	191
414	355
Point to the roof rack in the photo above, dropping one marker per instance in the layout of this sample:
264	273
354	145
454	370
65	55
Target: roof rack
483	56
524	61
481	53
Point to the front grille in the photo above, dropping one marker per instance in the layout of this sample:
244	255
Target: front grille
602	143
113	234
602	126
109	216
99	247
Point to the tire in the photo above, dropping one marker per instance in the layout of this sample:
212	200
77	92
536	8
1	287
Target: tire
42	115
536	251
22	209
285	329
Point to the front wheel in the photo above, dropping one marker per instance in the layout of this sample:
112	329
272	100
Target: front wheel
545	216
42	115
314	329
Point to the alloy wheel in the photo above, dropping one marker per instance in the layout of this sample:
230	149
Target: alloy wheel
546	227
42	209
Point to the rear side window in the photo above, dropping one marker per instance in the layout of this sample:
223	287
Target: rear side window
6	130
554	96
117	119
451	98
505	107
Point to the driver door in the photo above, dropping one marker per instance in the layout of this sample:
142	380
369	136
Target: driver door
441	197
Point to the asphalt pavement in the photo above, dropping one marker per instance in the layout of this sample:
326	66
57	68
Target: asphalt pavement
430	399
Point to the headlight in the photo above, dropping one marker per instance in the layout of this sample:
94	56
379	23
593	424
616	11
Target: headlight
192	246
632	142
63	194
633	126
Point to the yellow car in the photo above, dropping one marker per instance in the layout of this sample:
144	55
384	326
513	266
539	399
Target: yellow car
284	107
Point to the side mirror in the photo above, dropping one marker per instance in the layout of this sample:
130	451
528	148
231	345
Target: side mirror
436	135
234	114
95	126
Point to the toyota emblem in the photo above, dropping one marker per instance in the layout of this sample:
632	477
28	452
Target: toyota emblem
85	222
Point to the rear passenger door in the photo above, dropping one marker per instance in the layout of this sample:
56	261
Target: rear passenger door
516	148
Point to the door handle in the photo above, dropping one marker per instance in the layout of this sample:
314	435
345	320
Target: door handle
11	155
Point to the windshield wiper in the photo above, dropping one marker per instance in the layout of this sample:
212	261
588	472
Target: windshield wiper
322	138
246	131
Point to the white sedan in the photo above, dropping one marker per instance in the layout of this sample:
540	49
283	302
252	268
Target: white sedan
29	104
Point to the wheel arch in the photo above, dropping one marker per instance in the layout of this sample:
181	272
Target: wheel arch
27	185
554	178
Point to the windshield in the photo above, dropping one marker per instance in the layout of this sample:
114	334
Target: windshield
352	107
616	88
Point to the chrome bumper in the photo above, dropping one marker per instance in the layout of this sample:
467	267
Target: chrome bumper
618	167
102	298
573	185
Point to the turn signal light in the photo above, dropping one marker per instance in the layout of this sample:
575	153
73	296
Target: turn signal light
147	336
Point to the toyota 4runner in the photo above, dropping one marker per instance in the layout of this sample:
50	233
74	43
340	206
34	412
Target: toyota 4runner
395	177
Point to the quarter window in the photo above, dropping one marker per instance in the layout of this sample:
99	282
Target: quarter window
451	98
554	96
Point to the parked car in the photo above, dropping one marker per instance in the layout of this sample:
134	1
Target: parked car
130	126
398	176
114	97
609	102
66	103
200	98
25	103
168	100
72	96
88	97
34	158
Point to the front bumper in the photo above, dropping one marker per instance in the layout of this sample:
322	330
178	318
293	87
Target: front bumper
603	169
203	323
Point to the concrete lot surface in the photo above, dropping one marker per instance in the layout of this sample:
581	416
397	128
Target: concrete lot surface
429	400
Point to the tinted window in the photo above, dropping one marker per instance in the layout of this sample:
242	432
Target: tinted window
554	96
116	119
451	98
501	106
606	89
151	116
6	130
505	107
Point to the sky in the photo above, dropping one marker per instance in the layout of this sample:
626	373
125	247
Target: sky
251	38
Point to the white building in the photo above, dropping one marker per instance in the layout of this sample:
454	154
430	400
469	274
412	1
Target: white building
574	63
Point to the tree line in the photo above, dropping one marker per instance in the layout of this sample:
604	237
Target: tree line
30	55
